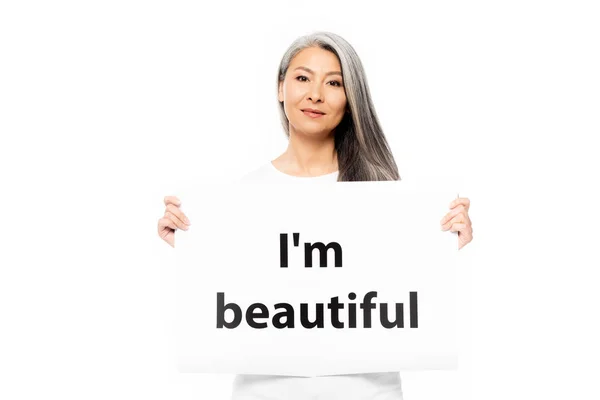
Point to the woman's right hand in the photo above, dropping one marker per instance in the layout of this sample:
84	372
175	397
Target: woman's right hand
173	219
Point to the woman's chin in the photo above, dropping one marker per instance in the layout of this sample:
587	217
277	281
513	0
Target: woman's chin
312	131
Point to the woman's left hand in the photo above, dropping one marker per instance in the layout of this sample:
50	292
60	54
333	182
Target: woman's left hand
457	220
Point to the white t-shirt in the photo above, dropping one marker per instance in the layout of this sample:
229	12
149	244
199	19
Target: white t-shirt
375	386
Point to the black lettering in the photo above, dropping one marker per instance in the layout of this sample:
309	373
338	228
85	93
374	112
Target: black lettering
288	314
398	322
414	313
334	305
308	250
367	306
250	315
222	307
318	322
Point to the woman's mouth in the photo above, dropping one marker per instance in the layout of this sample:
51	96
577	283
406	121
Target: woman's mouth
312	114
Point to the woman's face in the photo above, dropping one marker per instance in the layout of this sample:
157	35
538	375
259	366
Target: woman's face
313	81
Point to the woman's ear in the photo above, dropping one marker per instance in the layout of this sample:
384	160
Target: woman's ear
280	92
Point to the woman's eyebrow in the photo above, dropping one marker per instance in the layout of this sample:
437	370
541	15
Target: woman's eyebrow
312	72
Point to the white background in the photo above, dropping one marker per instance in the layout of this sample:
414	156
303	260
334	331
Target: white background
105	107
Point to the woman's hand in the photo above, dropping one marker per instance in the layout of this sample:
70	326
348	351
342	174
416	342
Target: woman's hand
457	220
173	219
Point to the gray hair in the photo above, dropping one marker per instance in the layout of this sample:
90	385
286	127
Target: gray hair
362	149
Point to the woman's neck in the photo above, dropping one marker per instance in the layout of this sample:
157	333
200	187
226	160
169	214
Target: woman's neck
306	156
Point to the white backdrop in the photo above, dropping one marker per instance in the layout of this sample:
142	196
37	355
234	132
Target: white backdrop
106	107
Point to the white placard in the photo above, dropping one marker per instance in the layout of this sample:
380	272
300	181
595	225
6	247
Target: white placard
250	300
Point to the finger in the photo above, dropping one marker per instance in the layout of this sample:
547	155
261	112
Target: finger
180	224
163	223
172	200
461	200
452	213
177	212
460	218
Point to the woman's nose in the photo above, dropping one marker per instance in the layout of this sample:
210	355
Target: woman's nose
315	93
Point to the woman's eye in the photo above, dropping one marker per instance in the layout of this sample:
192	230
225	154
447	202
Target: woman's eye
303	78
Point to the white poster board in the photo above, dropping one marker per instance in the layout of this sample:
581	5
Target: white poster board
251	301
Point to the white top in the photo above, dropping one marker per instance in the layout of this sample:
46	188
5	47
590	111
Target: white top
267	173
375	386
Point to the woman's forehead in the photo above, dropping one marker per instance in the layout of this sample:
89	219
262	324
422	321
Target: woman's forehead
316	59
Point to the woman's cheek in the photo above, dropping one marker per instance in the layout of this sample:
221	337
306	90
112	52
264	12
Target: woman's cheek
294	90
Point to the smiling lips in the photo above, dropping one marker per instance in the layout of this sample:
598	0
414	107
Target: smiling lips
313	113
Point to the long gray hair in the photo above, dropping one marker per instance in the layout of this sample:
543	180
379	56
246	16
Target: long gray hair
362	149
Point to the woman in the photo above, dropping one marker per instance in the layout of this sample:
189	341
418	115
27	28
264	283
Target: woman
334	135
